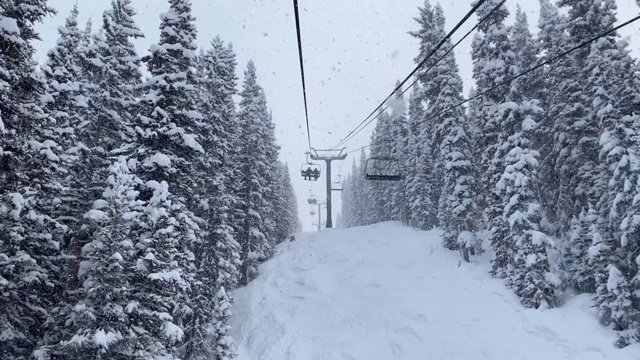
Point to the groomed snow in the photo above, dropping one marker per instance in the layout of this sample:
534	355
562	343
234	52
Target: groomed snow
390	292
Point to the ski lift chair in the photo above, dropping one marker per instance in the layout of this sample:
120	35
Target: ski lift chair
337	184
382	169
310	171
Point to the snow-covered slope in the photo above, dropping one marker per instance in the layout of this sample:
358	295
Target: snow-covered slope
389	292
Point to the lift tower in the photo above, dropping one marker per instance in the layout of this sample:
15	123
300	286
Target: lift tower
328	155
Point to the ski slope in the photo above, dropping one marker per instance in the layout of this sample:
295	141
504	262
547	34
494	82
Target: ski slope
390	292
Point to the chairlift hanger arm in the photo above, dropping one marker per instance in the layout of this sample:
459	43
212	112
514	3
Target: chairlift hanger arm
340	156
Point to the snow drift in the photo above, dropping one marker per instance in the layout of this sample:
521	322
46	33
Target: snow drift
390	292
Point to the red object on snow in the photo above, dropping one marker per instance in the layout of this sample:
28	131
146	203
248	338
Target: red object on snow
292	238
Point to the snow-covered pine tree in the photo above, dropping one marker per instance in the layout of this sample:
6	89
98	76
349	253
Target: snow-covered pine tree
217	255
346	196
399	146
110	77
121	88
287	222
292	206
219	330
579	274
424	188
109	321
168	151
29	234
527	50
381	192
576	129
616	100
533	84
271	181
492	46
367	201
522	250
355	184
67	105
474	127
362	198
225	70
220	85
524	246
553	39
458	214
254	121
412	152
619	307
282	203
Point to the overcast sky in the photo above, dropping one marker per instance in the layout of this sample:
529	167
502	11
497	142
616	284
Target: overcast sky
354	52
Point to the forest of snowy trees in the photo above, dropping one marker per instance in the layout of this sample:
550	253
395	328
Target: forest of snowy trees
130	204
547	167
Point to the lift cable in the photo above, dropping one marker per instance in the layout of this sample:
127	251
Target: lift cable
354	133
424	61
304	87
526	72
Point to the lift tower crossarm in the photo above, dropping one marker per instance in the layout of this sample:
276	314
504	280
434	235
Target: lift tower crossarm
338	154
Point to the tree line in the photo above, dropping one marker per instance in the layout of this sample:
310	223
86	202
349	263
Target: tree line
130	205
545	167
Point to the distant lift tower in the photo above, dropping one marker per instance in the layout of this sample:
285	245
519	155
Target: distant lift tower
328	155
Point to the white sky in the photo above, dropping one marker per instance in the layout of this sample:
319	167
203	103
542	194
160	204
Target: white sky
354	52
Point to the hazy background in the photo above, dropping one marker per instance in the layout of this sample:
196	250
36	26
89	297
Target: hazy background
354	52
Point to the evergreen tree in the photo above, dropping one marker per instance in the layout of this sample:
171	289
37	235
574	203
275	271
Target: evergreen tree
225	69
167	157
110	77
29	233
553	39
271	182
217	256
576	131
255	153
527	55
458	213
451	153
399	147
288	205
492	46
520	245
474	126
524	243
576	259
218	87
64	76
120	77
357	198
381	192
347	209
412	154
615	110
424	189
219	330
109	320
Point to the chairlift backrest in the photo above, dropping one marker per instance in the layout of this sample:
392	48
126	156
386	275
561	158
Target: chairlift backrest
383	168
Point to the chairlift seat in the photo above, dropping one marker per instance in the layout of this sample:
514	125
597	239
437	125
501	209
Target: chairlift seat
382	169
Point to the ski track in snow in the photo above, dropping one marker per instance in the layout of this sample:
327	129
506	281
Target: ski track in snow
390	292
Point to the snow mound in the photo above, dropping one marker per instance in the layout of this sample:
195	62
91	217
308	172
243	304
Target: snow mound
390	292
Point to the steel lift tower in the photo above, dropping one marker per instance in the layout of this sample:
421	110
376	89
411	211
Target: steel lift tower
328	155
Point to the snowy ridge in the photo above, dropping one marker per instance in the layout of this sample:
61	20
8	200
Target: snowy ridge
391	292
